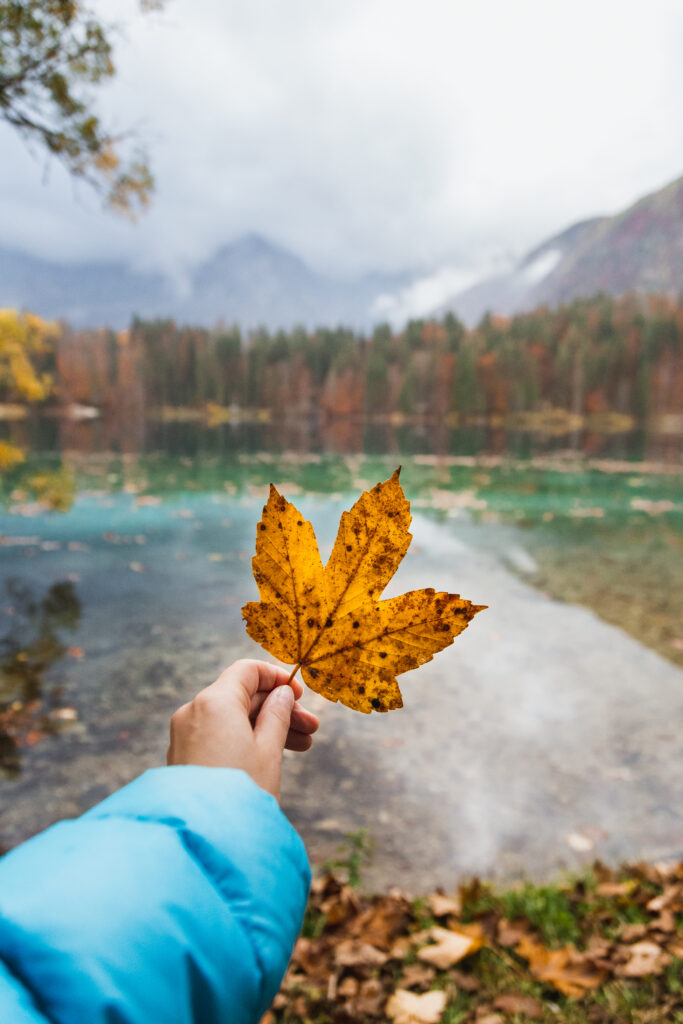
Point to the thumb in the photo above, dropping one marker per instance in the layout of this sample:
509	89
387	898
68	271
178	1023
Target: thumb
272	724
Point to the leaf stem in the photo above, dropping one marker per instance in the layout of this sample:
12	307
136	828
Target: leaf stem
293	673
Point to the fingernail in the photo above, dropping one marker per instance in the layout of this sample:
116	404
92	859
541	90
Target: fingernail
284	694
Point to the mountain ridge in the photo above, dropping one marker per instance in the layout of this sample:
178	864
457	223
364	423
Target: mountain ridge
639	249
251	281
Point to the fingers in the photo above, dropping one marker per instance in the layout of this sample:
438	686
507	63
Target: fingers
245	678
302	719
302	724
273	723
298	741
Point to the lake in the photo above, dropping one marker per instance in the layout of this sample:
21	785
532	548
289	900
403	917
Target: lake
543	737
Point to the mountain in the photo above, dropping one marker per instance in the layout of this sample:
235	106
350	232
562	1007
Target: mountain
640	249
251	282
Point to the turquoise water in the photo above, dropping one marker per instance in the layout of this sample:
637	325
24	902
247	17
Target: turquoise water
118	610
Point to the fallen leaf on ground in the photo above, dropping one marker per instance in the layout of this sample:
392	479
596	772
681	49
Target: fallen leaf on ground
598	947
565	969
310	955
442	906
417	974
348	987
644	958
450	947
666	922
370	998
383	921
612	889
401	947
631	932
340	905
353	953
509	933
467	982
328	621
526	1005
671	899
408	1008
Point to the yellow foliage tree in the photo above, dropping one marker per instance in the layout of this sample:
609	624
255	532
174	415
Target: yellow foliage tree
23	336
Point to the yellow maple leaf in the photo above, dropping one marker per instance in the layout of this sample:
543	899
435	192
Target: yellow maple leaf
328	620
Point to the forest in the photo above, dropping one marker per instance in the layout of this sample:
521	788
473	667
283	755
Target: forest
593	356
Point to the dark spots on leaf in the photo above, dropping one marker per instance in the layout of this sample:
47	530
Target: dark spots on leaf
328	623
382	654
311	622
278	594
376	703
356	625
314	672
349	547
299	522
361	689
263	526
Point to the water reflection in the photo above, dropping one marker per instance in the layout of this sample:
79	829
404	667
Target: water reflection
33	641
340	436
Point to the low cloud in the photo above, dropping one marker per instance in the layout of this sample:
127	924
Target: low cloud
374	134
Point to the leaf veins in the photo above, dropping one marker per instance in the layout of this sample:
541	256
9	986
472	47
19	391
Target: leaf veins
328	621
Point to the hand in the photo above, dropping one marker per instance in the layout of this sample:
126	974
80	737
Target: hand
244	720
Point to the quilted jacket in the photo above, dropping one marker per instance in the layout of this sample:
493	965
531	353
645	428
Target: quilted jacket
177	900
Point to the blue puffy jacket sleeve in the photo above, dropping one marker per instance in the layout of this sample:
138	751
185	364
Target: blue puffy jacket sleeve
177	900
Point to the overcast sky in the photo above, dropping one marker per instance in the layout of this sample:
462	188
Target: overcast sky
371	134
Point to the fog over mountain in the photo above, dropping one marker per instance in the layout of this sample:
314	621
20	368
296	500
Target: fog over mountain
254	282
639	249
250	282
